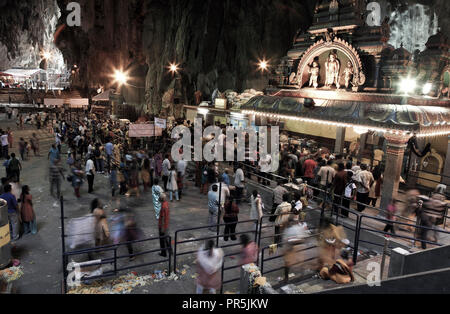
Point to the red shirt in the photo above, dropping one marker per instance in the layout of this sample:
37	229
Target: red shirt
309	167
163	223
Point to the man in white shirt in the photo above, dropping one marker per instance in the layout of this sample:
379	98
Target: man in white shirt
364	180
5	144
90	174
239	183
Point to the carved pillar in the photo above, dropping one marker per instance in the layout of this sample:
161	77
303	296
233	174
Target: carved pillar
340	140
446	173
395	151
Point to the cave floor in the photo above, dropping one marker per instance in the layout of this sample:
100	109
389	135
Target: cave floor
40	255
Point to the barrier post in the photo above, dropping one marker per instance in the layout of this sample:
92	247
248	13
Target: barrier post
219	210
170	253
356	241
175	253
63	241
385	251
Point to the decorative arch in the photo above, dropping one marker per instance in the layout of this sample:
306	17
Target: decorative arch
323	46
432	159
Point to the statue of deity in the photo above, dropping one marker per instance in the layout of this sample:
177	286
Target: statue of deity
314	70
348	74
332	68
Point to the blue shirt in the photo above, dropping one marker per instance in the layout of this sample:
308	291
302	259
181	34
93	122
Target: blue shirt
12	202
109	149
226	179
54	155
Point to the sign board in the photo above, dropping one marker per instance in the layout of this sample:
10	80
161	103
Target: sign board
5	236
221	103
161	123
144	130
79	103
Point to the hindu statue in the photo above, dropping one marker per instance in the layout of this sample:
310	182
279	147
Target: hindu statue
348	74
332	69
314	70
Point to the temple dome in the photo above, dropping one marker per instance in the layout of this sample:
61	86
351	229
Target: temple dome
401	54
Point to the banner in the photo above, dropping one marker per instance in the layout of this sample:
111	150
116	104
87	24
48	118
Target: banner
144	130
161	123
79	102
5	237
53	102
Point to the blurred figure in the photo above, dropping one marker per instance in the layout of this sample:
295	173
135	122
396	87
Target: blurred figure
157	192
293	243
102	234
282	216
332	239
391	211
249	252
209	264
172	186
341	272
77	178
13	212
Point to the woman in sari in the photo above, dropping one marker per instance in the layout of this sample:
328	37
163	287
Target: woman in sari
158	165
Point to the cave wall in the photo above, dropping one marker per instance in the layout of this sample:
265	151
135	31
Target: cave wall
26	28
216	43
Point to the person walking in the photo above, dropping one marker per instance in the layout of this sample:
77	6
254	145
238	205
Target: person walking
27	212
55	174
213	207
249	251
256	208
391	211
166	166
163	226
349	194
15	167
5	144
90	174
146	174
172	186
239	183
364	179
77	178
35	145
157	192
209	264
282	213
102	233
230	217
13	212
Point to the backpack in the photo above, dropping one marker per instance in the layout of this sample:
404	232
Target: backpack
97	153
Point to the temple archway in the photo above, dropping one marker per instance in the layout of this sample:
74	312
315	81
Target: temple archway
322	47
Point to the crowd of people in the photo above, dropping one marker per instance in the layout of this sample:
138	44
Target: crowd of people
96	147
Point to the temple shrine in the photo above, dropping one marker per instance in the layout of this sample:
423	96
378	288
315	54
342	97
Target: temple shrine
342	82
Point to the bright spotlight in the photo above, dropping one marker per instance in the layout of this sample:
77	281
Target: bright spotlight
120	77
173	68
408	85
46	55
427	88
263	65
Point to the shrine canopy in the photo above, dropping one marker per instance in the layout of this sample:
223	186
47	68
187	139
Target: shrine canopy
393	118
